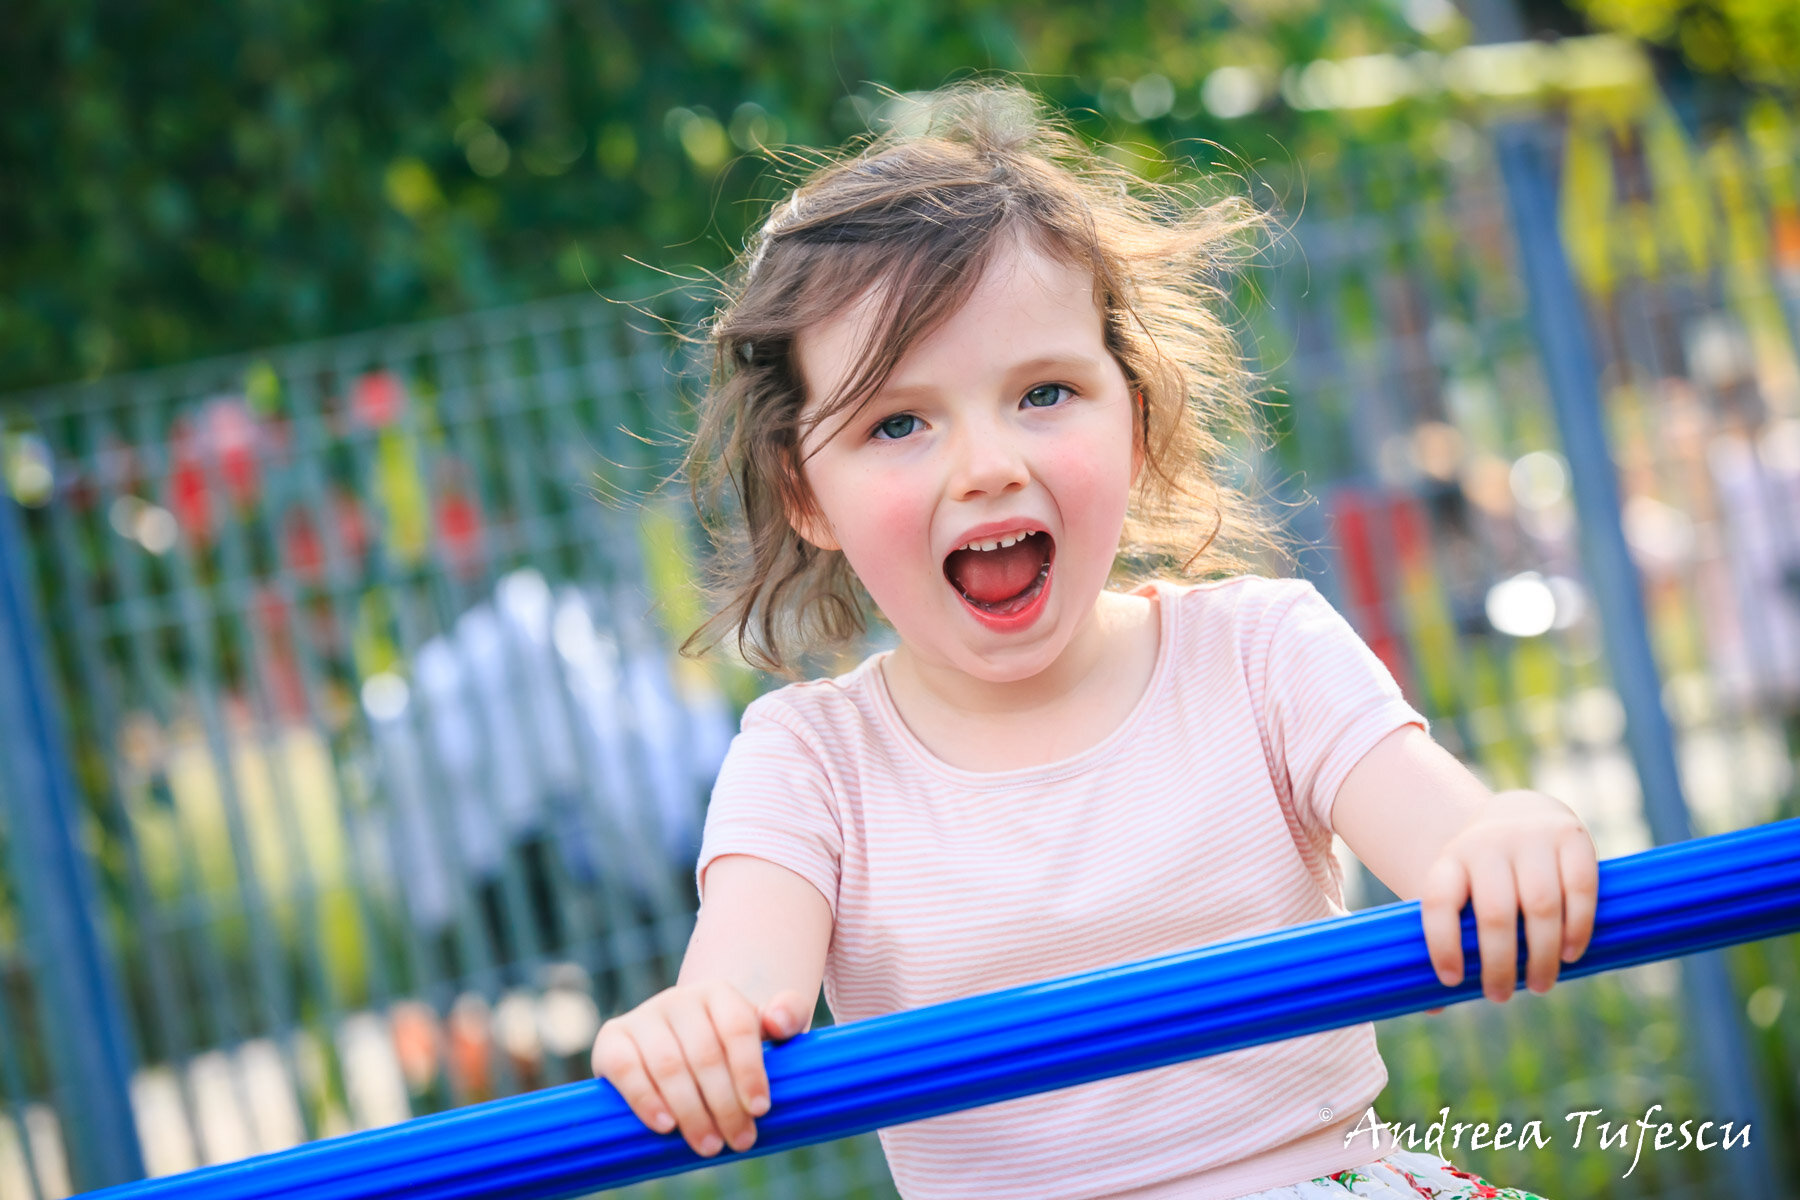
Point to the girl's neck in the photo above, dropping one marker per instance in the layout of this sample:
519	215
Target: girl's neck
1077	702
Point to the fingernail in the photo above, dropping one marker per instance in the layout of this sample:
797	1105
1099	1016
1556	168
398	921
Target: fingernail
710	1145
662	1122
759	1105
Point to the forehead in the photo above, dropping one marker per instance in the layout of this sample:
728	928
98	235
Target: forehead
1026	303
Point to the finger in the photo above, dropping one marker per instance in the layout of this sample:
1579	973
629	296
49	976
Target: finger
1581	891
1539	884
618	1060
1445	892
784	1016
668	1066
740	1032
1496	925
711	1071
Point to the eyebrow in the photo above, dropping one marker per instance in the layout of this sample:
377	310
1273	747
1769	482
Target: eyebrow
1043	364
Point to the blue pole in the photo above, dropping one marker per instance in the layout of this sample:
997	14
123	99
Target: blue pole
908	1066
1560	322
90	1049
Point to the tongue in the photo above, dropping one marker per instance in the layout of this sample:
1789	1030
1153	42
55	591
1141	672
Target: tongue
992	576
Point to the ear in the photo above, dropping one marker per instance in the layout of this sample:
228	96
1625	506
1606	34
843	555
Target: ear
814	528
1140	435
804	518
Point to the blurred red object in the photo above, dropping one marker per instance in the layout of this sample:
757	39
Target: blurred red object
1370	530
233	436
458	520
226	439
1787	240
416	1034
471	1041
281	679
305	549
377	400
189	499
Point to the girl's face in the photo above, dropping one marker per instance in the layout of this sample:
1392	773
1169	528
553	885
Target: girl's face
1009	423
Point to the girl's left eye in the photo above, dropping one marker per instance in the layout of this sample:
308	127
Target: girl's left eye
896	426
1045	395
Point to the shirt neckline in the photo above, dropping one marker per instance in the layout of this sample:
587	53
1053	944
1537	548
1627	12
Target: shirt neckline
896	728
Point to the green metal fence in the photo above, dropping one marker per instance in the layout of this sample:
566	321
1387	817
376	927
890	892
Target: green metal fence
394	786
392	783
1422	423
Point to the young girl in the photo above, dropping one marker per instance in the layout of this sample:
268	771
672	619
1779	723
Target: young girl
964	372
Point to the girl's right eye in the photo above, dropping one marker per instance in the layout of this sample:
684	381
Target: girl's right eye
896	426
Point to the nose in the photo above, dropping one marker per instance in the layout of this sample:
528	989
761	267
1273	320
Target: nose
987	459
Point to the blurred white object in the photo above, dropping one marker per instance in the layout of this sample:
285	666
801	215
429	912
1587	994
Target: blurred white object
551	714
1757	647
386	701
1522	606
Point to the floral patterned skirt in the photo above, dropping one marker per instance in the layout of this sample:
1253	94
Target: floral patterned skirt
1402	1175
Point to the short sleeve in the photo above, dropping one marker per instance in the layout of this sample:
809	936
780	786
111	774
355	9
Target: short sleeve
1327	701
773	800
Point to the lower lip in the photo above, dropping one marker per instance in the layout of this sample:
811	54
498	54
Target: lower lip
1013	622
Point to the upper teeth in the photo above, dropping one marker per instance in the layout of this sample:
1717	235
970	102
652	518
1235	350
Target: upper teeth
997	543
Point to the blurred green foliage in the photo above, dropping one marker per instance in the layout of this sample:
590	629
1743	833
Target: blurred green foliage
1754	40
179	181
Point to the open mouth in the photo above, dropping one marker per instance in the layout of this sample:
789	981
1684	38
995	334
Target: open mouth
1004	579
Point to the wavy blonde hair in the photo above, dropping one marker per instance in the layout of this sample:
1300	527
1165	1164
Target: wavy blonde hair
921	208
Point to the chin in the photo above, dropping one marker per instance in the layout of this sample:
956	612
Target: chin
988	671
1011	663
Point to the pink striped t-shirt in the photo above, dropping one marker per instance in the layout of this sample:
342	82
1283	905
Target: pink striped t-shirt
1204	816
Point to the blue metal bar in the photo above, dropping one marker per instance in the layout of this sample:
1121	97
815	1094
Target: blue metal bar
90	1047
1560	323
868	1074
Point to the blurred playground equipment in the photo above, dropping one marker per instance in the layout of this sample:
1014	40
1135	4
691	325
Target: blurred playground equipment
316	876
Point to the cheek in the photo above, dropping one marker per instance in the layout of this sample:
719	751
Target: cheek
1094	480
884	532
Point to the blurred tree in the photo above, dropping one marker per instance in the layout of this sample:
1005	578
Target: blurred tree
1757	41
175	183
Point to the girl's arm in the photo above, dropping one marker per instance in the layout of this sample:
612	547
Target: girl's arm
1432	831
691	1057
763	929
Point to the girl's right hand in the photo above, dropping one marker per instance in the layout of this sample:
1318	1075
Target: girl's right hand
691	1058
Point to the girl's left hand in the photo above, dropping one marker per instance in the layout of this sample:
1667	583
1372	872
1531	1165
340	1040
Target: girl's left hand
1521	853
